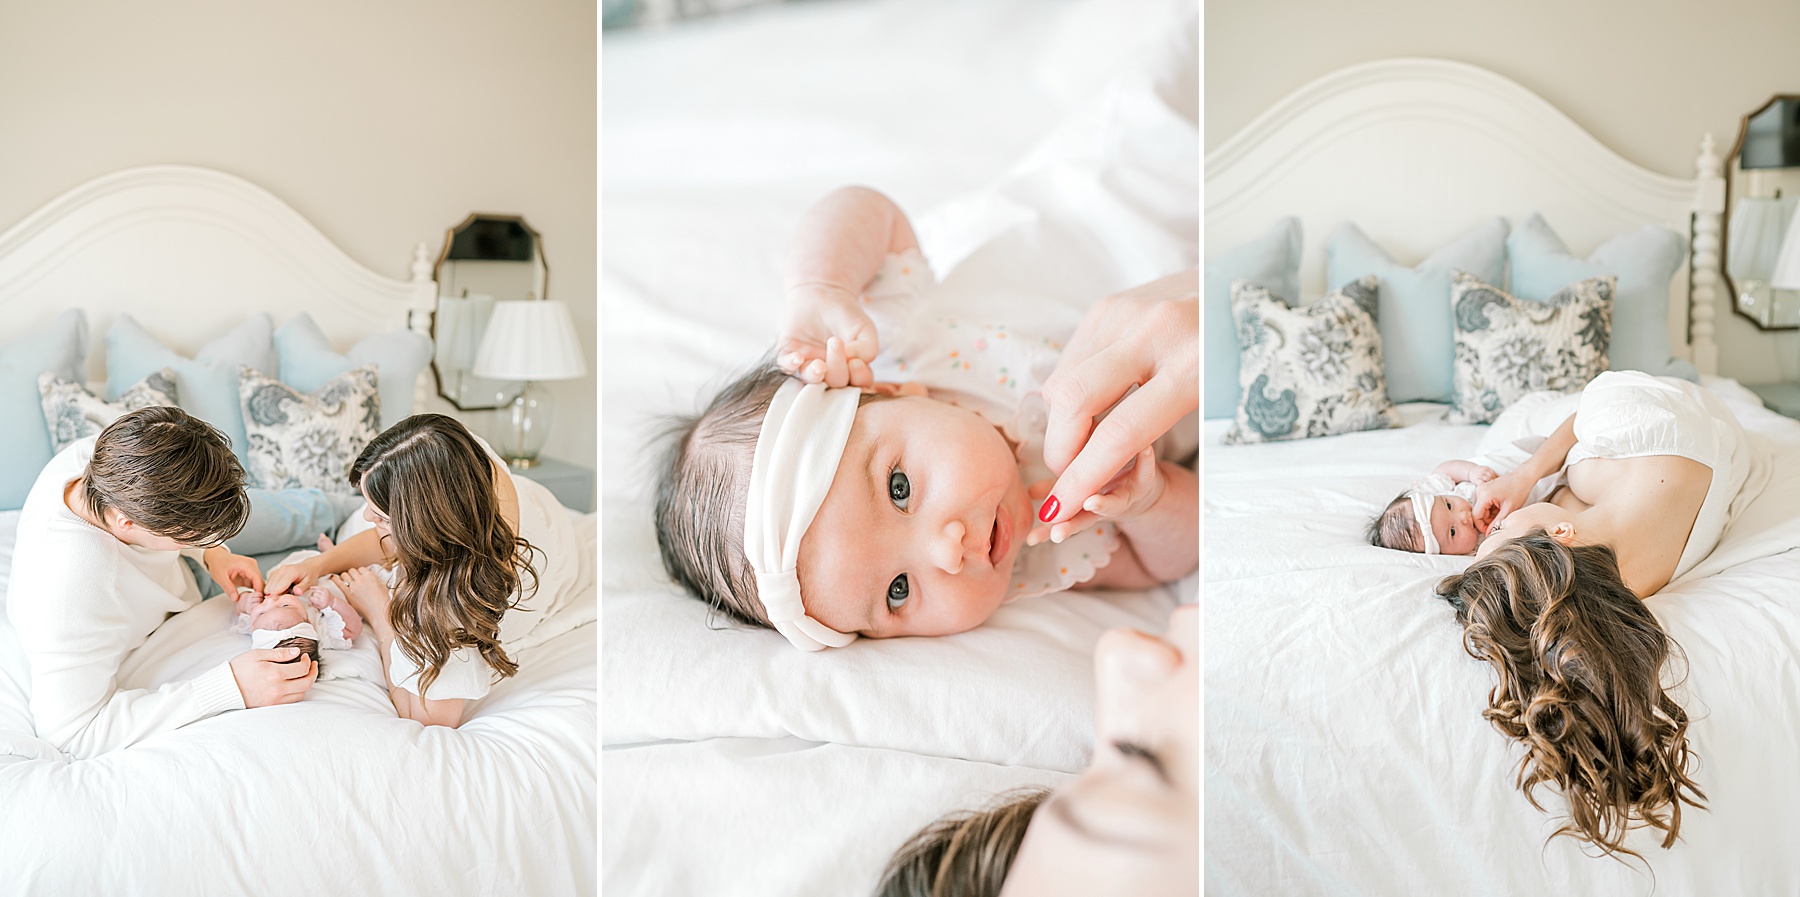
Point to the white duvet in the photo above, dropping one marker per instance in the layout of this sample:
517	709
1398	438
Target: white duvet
734	764
1345	751
334	795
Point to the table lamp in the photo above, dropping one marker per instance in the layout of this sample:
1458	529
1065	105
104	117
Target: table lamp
529	340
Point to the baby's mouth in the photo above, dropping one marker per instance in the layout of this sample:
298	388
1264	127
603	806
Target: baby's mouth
999	539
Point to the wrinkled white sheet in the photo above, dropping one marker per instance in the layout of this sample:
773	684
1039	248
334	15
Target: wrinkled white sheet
334	795
1345	751
802	772
776	815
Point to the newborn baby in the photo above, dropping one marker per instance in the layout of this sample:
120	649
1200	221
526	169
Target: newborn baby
314	620
1436	515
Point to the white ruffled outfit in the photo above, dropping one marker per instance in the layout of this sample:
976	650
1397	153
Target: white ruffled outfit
543	522
1631	414
961	346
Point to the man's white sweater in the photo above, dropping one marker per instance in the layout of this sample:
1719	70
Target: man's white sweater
81	600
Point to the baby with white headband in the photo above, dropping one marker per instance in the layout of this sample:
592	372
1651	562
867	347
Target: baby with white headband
318	619
884	508
1436	515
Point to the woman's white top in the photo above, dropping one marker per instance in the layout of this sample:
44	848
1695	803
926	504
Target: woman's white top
543	522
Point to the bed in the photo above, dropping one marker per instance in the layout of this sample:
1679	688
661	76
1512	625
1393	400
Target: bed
333	794
1345	751
732	763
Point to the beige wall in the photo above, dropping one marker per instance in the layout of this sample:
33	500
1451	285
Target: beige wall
1646	78
383	122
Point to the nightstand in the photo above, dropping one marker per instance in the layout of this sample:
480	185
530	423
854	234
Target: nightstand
572	485
1781	398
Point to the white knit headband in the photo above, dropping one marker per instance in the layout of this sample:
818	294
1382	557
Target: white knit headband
797	455
1421	506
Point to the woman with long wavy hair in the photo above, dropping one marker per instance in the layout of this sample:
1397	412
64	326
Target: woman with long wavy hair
449	572
1652	471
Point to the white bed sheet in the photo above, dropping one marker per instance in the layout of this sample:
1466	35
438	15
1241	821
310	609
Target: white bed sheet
1345	751
771	771
333	795
777	815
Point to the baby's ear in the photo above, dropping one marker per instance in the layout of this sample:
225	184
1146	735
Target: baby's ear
886	388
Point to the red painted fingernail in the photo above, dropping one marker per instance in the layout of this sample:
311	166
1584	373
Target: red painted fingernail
1047	513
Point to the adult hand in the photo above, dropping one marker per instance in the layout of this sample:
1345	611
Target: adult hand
1499	497
828	338
1147	337
232	570
296	577
364	592
272	676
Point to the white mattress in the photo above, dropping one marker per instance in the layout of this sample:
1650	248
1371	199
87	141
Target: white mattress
334	795
1345	751
735	764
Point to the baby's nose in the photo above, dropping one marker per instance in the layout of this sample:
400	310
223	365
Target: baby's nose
947	550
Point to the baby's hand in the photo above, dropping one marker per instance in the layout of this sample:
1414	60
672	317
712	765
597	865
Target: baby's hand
1129	494
828	337
1481	473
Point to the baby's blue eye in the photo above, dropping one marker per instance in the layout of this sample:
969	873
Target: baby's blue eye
897	592
899	489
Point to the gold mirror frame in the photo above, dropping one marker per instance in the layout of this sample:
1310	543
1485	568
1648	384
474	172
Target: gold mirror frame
1730	166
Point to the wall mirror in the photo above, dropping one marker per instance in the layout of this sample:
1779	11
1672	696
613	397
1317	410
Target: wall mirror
486	259
1762	241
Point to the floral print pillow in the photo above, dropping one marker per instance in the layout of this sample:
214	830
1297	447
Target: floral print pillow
1507	347
308	442
1312	371
74	413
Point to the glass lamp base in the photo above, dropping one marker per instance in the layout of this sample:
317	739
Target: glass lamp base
520	428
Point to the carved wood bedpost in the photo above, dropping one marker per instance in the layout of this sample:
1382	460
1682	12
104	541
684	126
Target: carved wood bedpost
1703	263
418	318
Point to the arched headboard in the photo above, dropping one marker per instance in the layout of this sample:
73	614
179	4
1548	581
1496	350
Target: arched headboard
1418	151
190	252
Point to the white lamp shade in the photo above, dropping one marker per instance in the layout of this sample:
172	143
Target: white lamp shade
529	339
1756	230
1787	265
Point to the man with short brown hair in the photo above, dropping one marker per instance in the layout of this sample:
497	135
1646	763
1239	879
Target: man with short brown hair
98	566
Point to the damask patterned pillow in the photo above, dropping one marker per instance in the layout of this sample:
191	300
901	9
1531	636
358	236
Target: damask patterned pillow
308	442
1507	347
1313	371
74	413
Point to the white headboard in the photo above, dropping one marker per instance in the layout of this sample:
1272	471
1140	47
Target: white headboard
189	252
1418	151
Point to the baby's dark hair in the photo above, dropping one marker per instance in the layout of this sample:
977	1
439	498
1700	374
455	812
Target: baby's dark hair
703	481
308	648
1395	527
702	486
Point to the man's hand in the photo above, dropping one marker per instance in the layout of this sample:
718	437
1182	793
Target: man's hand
232	570
270	676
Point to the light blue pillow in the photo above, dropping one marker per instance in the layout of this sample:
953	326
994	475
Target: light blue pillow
59	347
1271	261
207	384
1644	261
307	362
286	519
1416	337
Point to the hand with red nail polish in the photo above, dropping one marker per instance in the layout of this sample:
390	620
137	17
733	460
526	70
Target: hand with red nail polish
1129	374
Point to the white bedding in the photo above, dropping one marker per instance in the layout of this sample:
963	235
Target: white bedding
735	764
1345	751
334	795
